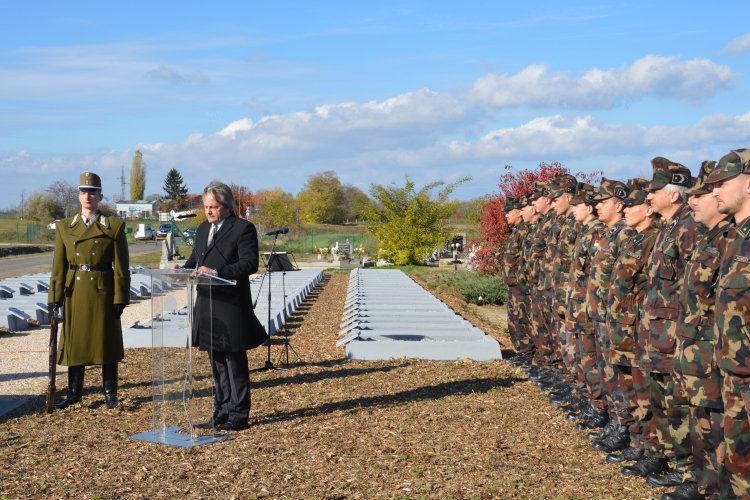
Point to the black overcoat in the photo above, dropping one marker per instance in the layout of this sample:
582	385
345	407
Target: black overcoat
227	310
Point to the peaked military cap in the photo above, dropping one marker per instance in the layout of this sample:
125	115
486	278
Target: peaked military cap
610	188
540	189
583	193
669	172
89	180
510	203
638	192
564	184
731	165
700	186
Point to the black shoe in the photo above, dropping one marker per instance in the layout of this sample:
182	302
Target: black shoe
630	454
234	425
522	361
599	436
562	399
671	478
600	419
75	387
216	421
619	439
576	405
511	359
645	466
109	381
685	491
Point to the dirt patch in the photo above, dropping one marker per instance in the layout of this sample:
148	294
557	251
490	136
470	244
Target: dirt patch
11	249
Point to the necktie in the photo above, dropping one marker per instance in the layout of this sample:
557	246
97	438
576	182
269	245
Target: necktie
211	235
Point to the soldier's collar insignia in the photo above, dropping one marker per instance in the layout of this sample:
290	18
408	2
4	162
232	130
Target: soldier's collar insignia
672	225
744	229
74	220
103	221
614	230
638	238
571	217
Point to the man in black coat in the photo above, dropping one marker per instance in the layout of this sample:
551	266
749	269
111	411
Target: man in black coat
224	323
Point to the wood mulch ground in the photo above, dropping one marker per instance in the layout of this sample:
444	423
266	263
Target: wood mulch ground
328	428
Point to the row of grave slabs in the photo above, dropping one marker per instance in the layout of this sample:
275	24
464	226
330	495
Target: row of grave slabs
388	315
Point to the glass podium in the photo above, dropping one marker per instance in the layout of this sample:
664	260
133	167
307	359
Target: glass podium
183	384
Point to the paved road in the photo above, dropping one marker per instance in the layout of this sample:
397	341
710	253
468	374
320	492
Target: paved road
18	266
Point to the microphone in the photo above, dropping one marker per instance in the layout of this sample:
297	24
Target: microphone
185	216
283	230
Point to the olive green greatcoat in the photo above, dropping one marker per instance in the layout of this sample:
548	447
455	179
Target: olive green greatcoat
91	334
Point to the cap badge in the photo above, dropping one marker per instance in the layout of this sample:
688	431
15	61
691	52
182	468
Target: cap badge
680	179
620	193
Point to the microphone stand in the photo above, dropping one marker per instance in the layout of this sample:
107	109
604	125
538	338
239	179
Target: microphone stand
268	365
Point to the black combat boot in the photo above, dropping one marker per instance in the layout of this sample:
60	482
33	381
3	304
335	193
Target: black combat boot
577	404
521	361
584	412
671	478
562	398
598	419
599	436
645	466
109	381
510	358
75	387
619	439
630	454
685	491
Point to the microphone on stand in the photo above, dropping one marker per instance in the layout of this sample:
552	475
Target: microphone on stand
185	216
283	230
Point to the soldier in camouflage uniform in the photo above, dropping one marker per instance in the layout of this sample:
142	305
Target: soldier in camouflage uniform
576	320
624	303
731	189
696	342
531	219
517	315
657	333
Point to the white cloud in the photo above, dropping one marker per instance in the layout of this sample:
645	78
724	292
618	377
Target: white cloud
175	78
691	81
738	46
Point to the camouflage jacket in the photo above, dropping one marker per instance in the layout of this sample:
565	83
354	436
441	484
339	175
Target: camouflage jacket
666	270
524	265
550	251
576	319
543	230
600	274
561	263
513	253
693	362
733	303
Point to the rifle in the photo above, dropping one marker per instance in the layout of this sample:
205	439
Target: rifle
52	345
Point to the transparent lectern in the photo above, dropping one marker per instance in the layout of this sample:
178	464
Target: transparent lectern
183	385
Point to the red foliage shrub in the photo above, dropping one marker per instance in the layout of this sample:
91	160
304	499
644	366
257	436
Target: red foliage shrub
489	246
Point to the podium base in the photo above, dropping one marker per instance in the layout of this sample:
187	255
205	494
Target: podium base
171	436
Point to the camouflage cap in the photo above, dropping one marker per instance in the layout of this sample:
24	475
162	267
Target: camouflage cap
731	165
700	186
540	189
510	203
523	202
89	180
610	188
564	184
638	192
583	193
669	172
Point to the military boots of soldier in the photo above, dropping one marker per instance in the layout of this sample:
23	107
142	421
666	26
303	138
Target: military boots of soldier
585	412
606	431
617	440
670	478
521	361
685	491
630	454
576	405
596	420
75	387
109	381
646	465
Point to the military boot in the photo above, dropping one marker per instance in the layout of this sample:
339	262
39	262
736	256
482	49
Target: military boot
75	387
630	454
685	491
599	436
671	478
646	465
109	381
617	440
510	358
520	361
576	405
584	412
598	419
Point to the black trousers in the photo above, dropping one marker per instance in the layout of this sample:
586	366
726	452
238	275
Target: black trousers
232	379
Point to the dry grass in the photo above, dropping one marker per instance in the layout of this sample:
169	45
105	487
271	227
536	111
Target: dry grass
328	428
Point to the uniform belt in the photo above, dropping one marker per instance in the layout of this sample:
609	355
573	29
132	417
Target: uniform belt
91	267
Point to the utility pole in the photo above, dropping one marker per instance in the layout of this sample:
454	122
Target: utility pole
122	185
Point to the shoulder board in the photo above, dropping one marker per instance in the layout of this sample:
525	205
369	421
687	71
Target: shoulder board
740	258
744	229
638	238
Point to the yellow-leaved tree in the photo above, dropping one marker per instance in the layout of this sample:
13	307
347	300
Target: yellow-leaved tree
322	199
137	176
407	223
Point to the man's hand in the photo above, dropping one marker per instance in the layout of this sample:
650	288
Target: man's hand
50	305
206	270
176	266
118	309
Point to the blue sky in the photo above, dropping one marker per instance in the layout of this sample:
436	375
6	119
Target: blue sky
266	95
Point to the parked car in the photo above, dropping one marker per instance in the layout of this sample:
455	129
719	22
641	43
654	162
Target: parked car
167	228
147	233
51	226
188	236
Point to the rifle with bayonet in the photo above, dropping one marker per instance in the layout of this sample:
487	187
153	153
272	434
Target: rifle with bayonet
52	344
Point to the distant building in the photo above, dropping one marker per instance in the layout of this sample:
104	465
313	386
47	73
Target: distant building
135	209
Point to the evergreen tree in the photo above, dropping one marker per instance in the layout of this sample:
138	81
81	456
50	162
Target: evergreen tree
175	189
138	177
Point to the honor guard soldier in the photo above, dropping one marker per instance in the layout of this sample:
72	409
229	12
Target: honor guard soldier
531	218
92	283
731	189
657	333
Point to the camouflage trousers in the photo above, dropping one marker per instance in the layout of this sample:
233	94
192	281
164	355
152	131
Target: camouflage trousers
736	396
518	322
589	369
637	400
609	373
707	439
541	324
670	436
